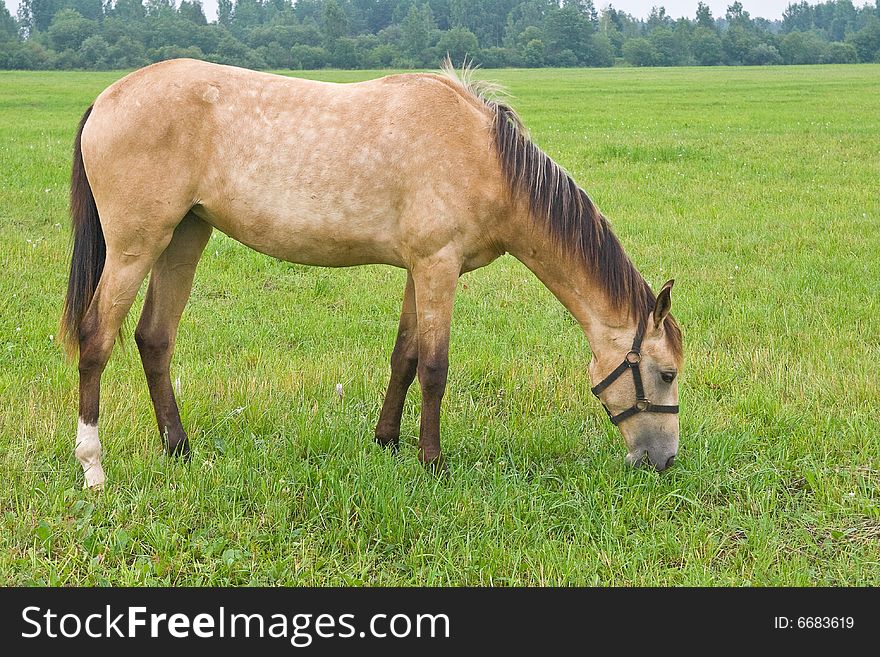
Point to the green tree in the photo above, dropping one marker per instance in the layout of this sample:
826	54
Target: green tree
458	43
224	12
601	51
278	11
129	10
8	26
247	15
308	10
335	22
737	16
533	54
667	48
616	38
308	57
31	56
8	50
417	30
840	53
68	30
160	7
704	17
564	59
307	34
763	54
192	11
706	47
232	51
797	17
567	29
127	53
531	33
867	40
94	52
91	9
526	14
658	18
344	53
207	37
383	55
285	36
488	19
36	15
275	55
736	44
802	48
639	52
496	57
586	8
610	18
174	52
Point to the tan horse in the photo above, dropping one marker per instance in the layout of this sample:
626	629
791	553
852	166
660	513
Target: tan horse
419	171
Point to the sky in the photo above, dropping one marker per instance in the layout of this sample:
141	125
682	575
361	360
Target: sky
638	8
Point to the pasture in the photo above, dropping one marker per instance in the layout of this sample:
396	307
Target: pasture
755	188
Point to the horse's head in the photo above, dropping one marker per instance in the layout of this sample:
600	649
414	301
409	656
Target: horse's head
639	387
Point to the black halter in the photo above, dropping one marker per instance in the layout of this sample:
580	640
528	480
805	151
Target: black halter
631	362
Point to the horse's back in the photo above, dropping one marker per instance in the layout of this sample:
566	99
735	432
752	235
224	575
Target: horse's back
310	171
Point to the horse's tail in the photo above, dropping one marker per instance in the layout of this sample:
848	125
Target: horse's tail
89	248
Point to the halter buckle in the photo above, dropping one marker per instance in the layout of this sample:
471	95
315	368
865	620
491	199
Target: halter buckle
631	362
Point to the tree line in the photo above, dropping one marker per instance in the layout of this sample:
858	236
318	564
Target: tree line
309	34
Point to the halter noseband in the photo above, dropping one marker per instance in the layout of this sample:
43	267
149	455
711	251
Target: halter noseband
631	362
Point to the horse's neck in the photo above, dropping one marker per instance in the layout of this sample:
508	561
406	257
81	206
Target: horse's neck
568	279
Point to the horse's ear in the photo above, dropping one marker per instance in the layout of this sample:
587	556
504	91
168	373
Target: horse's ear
664	303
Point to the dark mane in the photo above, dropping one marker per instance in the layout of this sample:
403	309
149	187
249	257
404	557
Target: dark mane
573	220
566	211
568	214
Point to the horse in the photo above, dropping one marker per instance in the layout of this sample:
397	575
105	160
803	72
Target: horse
429	172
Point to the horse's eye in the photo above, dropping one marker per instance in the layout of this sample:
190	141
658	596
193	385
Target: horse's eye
668	377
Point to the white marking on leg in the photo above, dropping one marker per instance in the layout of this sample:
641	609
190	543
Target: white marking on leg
88	453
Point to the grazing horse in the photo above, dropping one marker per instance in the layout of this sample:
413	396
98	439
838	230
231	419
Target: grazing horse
421	171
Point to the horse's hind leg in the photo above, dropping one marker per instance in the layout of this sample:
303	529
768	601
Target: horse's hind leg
124	271
170	286
404	361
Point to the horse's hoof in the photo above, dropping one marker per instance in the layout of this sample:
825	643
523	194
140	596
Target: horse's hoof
94	478
392	442
179	450
435	465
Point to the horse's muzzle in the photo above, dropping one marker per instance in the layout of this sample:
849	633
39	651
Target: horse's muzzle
643	458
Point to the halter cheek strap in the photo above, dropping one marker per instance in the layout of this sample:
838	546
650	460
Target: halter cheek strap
631	362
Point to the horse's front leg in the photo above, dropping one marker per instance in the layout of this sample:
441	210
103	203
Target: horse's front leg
404	359
435	280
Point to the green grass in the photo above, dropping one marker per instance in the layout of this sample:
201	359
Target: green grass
756	188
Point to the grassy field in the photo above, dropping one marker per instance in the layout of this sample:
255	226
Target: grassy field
756	188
